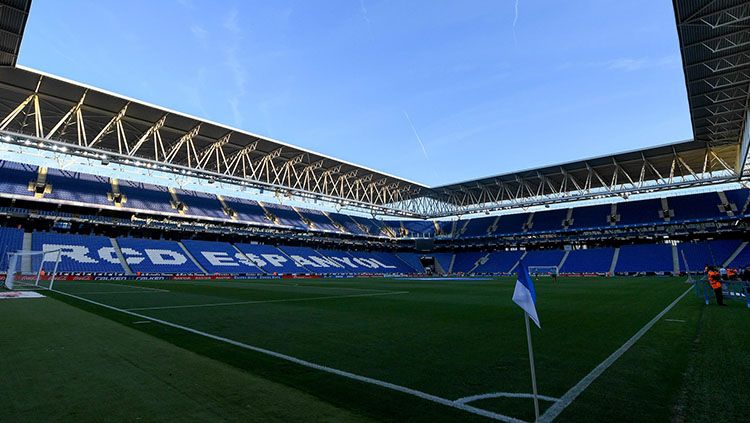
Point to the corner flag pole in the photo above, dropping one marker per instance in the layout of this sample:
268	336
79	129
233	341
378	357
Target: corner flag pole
531	363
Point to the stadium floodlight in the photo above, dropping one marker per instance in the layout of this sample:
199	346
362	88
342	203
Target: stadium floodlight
32	269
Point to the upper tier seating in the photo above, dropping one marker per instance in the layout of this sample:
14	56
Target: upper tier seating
695	207
478	226
639	212
548	220
445	228
79	253
592	260
700	254
147	197
271	259
247	210
590	217
78	187
419	228
319	220
372	226
645	258
286	216
511	223
500	262
156	256
738	198
348	224
15	178
220	257
200	204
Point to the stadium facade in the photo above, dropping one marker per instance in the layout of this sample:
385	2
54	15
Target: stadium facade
666	209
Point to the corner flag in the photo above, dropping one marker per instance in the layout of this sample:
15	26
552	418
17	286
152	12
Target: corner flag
524	295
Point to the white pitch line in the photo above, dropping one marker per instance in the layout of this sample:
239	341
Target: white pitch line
675	320
283	300
236	284
466	400
145	288
573	393
311	365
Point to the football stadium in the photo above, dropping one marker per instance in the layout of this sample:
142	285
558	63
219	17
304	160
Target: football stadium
186	270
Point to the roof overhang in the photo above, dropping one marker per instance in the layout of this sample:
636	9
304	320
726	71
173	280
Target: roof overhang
13	16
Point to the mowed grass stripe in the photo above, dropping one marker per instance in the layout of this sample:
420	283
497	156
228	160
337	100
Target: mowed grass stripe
285	300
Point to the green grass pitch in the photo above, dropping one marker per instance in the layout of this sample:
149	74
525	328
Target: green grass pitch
69	360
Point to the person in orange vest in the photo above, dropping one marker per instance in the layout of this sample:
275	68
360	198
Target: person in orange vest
731	273
714	278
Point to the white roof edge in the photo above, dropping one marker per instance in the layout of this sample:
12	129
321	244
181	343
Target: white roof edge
210	122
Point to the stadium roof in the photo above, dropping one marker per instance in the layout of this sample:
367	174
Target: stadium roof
714	41
13	15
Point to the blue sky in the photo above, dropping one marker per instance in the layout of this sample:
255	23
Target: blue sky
486	90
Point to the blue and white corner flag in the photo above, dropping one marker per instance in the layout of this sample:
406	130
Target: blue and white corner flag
524	295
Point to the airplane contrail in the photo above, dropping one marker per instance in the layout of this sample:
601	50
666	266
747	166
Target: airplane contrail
419	139
515	20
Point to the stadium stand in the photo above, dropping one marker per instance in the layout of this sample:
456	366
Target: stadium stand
285	216
79	253
271	259
592	260
511	223
78	187
500	262
199	204
418	228
737	200
384	262
220	257
443	260
696	207
370	226
11	240
146	197
548	220
700	254
340	262
346	223
742	259
476	227
318	220
590	217
543	257
412	260
645	258
247	210
15	178
639	212
156	256
466	261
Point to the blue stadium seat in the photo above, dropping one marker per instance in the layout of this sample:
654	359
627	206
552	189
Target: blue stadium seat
443	259
271	259
590	217
476	227
412	260
466	261
11	240
696	207
156	256
592	260
221	257
347	223
78	187
372	226
341	262
511	223
146	197
15	178
247	210
645	258
319	220
419	228
499	262
286	216
739	198
201	205
548	220
383	262
639	212
543	258
700	254
742	260
79	253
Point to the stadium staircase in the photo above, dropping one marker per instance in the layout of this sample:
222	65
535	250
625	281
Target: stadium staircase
562	261
735	254
190	256
675	260
614	261
482	260
450	267
121	257
520	259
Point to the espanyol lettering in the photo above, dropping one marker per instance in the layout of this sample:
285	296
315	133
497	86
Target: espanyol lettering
252	259
219	258
324	262
131	256
345	260
274	259
302	262
77	253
